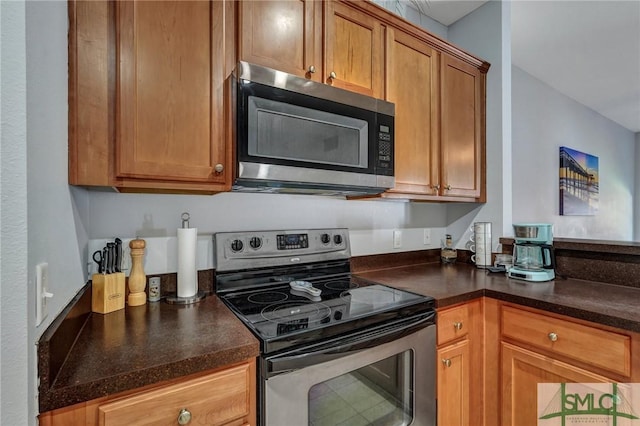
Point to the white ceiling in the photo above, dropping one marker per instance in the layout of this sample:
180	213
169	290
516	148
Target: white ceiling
446	11
587	50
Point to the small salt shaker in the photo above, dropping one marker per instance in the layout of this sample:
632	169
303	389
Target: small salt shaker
154	289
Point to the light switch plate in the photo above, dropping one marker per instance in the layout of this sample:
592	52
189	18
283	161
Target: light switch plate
42	292
397	239
426	236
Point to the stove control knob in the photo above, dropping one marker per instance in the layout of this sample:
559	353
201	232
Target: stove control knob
325	238
236	246
337	239
337	315
255	243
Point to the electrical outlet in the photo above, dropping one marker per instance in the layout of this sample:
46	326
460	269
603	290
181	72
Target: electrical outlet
42	292
426	236
397	239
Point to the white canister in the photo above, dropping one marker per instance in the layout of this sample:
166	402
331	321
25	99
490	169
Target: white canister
481	236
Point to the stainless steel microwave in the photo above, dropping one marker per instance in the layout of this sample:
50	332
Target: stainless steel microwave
294	135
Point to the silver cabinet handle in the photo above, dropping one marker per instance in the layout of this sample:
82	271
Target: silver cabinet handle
333	74
312	69
448	187
457	326
553	337
184	417
446	362
436	187
219	168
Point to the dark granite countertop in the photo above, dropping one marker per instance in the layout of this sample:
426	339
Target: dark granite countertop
156	342
143	345
607	304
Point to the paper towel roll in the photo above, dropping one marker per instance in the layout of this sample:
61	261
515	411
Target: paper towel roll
187	273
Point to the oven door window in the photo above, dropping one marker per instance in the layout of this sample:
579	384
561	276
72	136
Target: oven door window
378	394
284	131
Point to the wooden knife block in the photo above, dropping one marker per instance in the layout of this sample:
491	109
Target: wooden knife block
107	292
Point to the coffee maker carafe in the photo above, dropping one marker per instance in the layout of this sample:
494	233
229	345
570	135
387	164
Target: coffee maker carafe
533	258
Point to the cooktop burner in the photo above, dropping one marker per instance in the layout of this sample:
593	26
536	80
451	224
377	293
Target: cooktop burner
267	297
340	285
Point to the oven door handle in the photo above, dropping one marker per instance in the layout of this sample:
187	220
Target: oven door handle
302	358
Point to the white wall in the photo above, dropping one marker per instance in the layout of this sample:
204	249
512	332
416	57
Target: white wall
636	196
370	222
55	236
544	120
486	33
16	390
37	197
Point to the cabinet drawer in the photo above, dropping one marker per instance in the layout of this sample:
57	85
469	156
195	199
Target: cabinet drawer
213	399
589	345
453	323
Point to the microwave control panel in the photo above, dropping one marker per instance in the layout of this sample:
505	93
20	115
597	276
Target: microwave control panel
385	149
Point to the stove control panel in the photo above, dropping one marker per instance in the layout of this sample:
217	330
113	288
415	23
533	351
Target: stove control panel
292	241
254	249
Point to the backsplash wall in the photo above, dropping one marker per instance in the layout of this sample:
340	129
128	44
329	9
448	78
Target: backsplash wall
155	215
156	218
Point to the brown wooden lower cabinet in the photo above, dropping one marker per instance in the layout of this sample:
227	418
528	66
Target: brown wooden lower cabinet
540	347
522	370
453	384
222	397
460	375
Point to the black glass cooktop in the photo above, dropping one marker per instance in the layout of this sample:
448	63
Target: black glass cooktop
282	317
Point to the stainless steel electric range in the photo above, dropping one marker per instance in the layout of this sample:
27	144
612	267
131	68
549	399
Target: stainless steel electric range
333	349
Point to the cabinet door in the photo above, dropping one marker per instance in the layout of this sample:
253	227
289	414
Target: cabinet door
522	370
354	50
283	35
462	139
170	115
453	384
412	85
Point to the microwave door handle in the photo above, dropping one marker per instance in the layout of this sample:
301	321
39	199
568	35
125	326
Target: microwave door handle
284	364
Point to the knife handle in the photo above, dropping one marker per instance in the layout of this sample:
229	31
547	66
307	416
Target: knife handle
118	255
111	257
103	262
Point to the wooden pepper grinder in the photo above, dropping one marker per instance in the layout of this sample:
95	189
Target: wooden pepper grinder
137	278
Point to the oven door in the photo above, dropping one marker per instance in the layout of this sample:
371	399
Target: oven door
382	377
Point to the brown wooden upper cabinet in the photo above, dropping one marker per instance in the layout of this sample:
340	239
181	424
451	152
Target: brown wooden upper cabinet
283	35
440	128
150	106
289	36
354	50
147	93
462	126
413	84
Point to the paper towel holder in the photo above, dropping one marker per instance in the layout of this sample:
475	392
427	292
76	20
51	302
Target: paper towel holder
174	299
